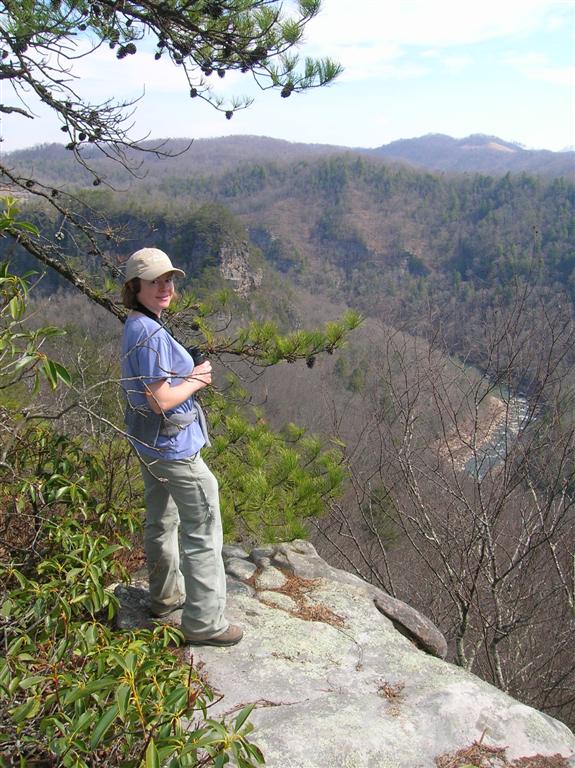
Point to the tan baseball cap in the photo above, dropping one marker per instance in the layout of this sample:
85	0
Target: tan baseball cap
149	263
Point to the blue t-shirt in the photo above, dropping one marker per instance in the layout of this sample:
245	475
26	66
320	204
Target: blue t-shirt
150	354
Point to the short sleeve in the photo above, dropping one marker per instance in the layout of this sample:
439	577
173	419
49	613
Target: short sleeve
153	357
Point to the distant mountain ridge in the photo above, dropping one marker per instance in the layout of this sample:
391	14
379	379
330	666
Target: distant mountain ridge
487	155
477	153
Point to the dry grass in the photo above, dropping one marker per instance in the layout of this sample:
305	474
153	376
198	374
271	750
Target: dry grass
393	693
479	755
133	559
541	761
298	589
390	691
17	530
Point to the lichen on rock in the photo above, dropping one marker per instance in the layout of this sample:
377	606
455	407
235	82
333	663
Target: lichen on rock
353	692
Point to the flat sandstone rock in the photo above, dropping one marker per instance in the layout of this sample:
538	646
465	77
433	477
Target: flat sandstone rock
336	685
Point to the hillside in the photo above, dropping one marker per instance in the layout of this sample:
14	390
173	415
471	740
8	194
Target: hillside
387	240
343	675
476	154
52	164
183	157
391	241
450	271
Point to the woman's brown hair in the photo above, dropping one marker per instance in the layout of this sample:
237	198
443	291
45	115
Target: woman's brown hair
130	293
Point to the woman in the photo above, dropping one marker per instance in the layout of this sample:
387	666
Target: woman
183	531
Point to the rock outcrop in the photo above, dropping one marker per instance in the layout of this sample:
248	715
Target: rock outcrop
336	685
236	266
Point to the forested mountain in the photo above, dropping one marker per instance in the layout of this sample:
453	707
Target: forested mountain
477	154
393	353
184	157
467	284
388	240
53	164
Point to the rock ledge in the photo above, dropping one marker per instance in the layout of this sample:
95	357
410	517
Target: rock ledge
336	684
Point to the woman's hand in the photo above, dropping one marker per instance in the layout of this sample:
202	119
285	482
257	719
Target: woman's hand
202	373
163	397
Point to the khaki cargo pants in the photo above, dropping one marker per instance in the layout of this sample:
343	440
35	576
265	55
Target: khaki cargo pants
183	542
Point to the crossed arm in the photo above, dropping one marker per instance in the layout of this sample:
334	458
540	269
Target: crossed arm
162	397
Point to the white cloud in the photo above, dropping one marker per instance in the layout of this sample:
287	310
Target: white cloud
452	62
378	42
141	72
376	39
442	23
361	62
456	64
536	66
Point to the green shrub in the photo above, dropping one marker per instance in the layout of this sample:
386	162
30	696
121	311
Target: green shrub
74	692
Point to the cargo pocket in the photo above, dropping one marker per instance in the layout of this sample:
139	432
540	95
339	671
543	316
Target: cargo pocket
209	510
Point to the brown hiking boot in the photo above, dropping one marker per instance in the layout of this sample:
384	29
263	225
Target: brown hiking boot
231	636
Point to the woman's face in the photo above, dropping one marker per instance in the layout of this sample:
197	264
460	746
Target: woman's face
157	294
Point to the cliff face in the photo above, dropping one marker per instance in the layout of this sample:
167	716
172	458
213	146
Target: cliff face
336	685
235	266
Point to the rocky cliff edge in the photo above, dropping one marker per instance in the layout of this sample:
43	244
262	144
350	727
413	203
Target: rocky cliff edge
343	676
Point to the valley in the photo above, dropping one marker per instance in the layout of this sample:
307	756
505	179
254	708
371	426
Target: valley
465	283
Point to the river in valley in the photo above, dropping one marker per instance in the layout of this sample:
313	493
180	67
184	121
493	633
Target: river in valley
503	433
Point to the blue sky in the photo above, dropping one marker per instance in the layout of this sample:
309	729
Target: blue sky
412	67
